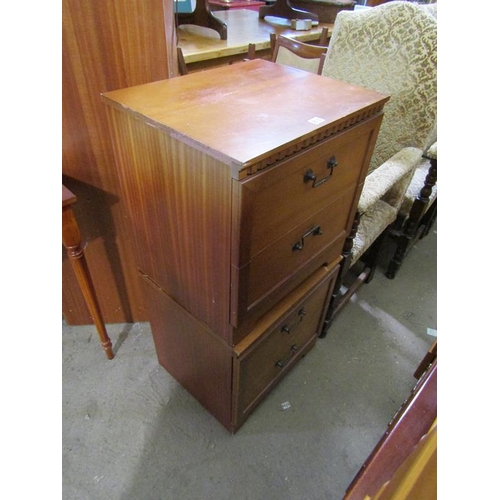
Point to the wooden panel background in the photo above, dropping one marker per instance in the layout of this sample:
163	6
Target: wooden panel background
106	45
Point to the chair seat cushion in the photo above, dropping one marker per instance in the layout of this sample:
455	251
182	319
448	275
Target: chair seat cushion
372	224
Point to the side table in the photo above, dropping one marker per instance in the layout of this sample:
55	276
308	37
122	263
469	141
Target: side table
72	242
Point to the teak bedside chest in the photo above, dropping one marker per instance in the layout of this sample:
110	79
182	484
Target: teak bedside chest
241	183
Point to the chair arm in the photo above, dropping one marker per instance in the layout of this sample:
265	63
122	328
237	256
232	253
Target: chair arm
381	180
432	152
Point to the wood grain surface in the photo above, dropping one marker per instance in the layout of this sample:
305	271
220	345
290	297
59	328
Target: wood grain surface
196	156
206	108
243	27
106	45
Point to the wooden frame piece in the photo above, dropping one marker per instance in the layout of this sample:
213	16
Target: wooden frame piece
181	62
322	41
300	49
412	421
427	361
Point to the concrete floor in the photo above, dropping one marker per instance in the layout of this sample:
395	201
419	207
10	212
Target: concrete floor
130	432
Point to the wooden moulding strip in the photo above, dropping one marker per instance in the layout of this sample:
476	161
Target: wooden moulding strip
311	141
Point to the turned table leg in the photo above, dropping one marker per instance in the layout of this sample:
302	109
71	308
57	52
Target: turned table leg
72	242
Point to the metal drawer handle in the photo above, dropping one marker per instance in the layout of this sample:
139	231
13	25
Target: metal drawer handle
289	329
311	176
315	231
293	350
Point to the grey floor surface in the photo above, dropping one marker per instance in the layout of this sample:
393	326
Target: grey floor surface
131	432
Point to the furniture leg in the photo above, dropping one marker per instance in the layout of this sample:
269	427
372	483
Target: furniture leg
429	219
333	306
72	242
373	255
410	228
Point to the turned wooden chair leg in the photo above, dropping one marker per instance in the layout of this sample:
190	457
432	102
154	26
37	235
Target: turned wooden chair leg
411	225
374	254
428	220
72	242
335	303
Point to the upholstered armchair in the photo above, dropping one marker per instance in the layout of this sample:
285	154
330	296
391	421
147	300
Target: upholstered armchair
418	210
391	48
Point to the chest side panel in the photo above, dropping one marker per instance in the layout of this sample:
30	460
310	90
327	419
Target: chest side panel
179	202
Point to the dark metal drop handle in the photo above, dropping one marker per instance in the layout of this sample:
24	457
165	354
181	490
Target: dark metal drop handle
293	350
289	329
311	176
315	231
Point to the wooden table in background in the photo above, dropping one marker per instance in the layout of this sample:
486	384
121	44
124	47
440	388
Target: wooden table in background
202	47
216	5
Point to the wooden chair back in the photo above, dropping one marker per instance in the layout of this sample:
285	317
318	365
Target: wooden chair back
322	41
299	55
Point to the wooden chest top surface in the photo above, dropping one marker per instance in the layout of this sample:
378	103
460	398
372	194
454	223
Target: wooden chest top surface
245	112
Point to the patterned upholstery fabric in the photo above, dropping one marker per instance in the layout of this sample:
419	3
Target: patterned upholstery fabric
431	8
391	48
415	186
371	226
381	180
432	152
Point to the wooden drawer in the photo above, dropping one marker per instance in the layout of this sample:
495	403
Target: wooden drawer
272	266
272	203
278	269
279	340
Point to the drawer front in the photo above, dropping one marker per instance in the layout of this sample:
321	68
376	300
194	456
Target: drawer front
273	202
278	262
266	360
282	266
